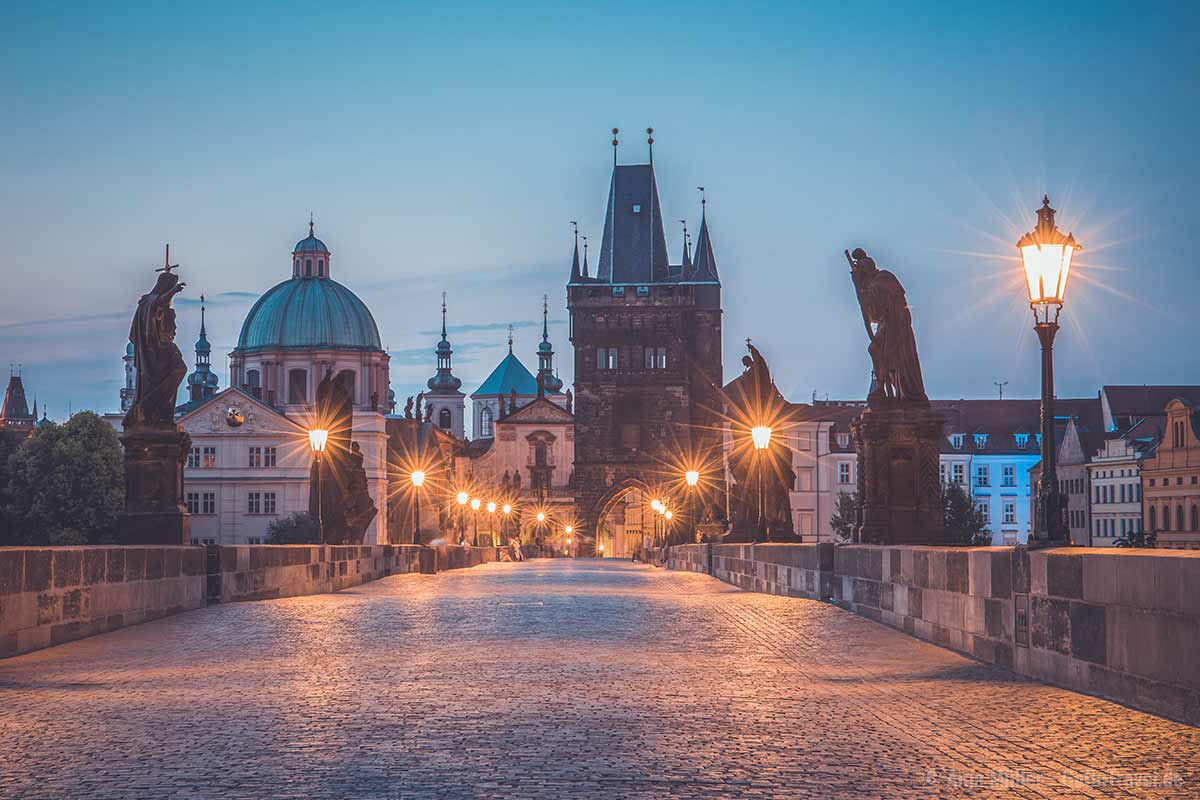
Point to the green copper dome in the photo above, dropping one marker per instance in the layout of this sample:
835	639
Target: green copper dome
309	314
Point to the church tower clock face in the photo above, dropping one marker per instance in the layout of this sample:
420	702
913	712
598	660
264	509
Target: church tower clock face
234	417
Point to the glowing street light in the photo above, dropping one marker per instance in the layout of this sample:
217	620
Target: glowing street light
1046	256
475	520
474	503
462	498
507	509
541	516
692	478
318	440
491	507
417	476
761	436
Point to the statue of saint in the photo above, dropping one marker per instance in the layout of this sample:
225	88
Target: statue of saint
893	347
570	401
512	400
408	408
159	365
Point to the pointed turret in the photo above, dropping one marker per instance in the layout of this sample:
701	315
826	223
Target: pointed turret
585	258
575	273
687	251
202	383
14	414
705	268
551	382
444	380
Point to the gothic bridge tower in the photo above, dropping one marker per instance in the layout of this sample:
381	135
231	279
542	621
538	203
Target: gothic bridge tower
647	341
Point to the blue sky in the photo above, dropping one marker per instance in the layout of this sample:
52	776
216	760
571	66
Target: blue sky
446	147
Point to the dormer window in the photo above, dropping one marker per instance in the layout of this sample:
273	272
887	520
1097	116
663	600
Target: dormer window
1022	440
618	291
843	440
643	291
956	441
980	441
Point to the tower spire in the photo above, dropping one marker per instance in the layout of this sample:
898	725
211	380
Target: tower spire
547	380
650	143
510	338
444	381
616	142
575	273
687	249
545	317
585	264
310	223
443	315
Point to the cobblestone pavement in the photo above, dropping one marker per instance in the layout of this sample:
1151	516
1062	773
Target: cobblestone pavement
556	679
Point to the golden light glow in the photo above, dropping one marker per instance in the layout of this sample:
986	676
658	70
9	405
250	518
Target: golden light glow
541	516
600	547
692	477
491	507
668	514
418	478
569	529
568	541
474	503
507	508
1046	255
462	498
657	505
317	439
761	435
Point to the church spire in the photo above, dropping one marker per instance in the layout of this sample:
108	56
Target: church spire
575	273
585	264
546	376
705	267
510	338
444	380
202	383
687	250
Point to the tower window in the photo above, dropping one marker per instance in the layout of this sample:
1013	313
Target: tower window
321	267
485	423
308	267
297	386
444	419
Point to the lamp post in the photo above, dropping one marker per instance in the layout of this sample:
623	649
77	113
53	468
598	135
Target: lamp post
418	480
1046	256
474	521
568	530
318	438
463	498
761	436
491	509
692	478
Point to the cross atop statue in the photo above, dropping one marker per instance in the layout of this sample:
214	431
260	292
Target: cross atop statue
167	265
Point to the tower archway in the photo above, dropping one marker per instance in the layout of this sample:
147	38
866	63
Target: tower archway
624	522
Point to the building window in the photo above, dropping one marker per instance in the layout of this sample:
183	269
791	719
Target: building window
255	457
1195	518
982	475
1008	475
843	440
980	441
208	502
661	358
618	291
942	467
254	540
191	500
268	503
254	503
606	358
1022	440
649	358
193	457
208	457
269	456
485	423
308	267
958	473
956	441
297	386
642	291
1153	519
844	472
321	267
983	503
444	419
1010	512
1179	518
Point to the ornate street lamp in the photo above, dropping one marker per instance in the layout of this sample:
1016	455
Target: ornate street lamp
318	439
761	436
463	498
417	477
1046	255
491	509
692	478
474	521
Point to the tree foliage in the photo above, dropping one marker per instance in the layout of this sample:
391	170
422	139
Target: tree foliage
842	520
66	484
297	528
964	520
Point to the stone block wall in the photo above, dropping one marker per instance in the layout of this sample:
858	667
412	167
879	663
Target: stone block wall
260	572
792	570
51	595
1122	624
455	557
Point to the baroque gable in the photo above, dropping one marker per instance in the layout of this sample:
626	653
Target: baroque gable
539	412
233	412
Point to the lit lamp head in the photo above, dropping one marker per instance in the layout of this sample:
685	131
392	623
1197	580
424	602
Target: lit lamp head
569	529
418	478
317	439
507	509
541	516
668	514
657	505
761	436
462	498
474	503
1046	255
692	477
491	507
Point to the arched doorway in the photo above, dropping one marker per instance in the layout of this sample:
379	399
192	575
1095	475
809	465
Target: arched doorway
625	522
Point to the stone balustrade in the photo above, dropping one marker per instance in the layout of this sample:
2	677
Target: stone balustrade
51	595
1122	624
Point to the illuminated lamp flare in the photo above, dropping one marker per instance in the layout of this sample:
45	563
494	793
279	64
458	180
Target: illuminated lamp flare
462	498
692	477
317	439
761	435
418	478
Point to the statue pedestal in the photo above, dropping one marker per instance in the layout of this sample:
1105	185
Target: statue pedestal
154	509
899	484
